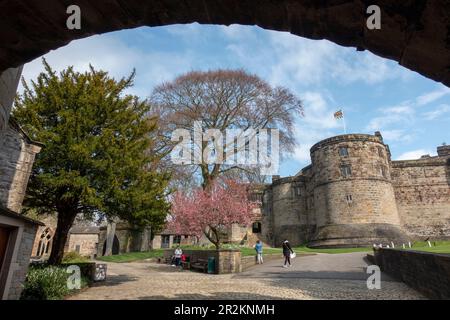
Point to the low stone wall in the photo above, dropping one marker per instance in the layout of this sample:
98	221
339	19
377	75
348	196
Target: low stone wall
92	271
227	261
428	273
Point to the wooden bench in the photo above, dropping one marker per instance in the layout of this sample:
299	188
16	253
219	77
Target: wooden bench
200	264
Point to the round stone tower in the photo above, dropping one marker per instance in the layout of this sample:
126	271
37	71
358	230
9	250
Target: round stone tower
354	202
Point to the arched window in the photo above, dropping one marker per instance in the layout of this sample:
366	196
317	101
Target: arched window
45	242
256	227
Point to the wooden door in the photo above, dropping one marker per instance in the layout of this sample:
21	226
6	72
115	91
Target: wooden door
4	239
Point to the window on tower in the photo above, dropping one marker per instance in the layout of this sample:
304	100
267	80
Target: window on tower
343	151
349	198
346	171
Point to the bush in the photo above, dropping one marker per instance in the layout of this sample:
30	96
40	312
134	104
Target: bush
45	283
74	257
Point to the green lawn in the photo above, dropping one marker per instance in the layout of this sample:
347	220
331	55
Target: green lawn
136	256
133	256
438	247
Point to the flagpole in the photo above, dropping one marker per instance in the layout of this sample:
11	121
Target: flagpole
343	119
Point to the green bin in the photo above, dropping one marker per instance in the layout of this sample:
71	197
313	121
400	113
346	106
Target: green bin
211	265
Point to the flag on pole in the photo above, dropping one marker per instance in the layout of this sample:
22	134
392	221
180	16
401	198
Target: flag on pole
338	114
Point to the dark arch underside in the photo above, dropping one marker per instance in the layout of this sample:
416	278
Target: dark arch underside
416	33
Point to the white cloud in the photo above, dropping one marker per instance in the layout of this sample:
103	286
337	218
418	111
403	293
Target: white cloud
440	111
317	124
432	96
396	122
414	154
111	54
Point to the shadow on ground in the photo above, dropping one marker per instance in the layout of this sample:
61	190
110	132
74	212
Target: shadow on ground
215	296
115	280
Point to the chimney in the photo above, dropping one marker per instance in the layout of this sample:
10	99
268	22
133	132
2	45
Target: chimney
443	151
378	134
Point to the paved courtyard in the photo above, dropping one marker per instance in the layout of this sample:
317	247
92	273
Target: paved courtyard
322	276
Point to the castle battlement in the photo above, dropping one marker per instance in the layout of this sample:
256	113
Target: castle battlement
352	194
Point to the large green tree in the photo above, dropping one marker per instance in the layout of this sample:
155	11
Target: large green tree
99	157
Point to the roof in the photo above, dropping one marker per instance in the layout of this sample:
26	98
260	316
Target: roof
84	230
9	213
13	122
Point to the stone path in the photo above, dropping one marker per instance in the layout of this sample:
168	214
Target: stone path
322	276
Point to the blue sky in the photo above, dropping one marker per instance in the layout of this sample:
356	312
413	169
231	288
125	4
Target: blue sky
411	111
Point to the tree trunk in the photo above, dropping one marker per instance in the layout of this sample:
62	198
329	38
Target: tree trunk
214	238
65	221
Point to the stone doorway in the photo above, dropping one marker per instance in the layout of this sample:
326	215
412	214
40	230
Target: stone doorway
4	240
115	247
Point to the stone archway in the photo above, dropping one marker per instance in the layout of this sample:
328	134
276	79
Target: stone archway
115	247
415	33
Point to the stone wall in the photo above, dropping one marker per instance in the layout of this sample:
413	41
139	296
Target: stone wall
22	261
88	244
378	202
9	80
130	239
429	273
17	154
17	257
422	192
226	261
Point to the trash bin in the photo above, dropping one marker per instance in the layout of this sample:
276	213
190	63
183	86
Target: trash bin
211	265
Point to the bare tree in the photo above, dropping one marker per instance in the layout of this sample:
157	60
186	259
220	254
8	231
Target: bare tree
224	99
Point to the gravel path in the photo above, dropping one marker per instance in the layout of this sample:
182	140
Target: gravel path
322	276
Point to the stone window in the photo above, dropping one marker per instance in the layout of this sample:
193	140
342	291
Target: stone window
343	151
383	171
297	191
256	227
349	199
77	248
45	242
176	239
346	170
380	152
165	241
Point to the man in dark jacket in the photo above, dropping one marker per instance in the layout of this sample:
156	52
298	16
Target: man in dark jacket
287	250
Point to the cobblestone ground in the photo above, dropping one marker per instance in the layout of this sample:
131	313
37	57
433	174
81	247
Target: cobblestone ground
312	277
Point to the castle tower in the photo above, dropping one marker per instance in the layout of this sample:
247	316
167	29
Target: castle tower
354	201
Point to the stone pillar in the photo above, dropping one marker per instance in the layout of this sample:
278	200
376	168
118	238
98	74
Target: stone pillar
145	239
110	232
9	80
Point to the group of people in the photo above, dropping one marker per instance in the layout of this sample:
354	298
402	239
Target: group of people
288	253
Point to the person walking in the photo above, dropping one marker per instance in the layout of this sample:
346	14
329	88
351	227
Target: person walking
287	251
259	252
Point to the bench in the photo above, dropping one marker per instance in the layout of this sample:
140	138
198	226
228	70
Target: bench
200	264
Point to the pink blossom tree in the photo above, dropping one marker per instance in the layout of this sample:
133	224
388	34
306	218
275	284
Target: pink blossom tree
212	210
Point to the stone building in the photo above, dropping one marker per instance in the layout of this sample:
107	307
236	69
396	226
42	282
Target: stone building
353	194
17	232
121	237
83	240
